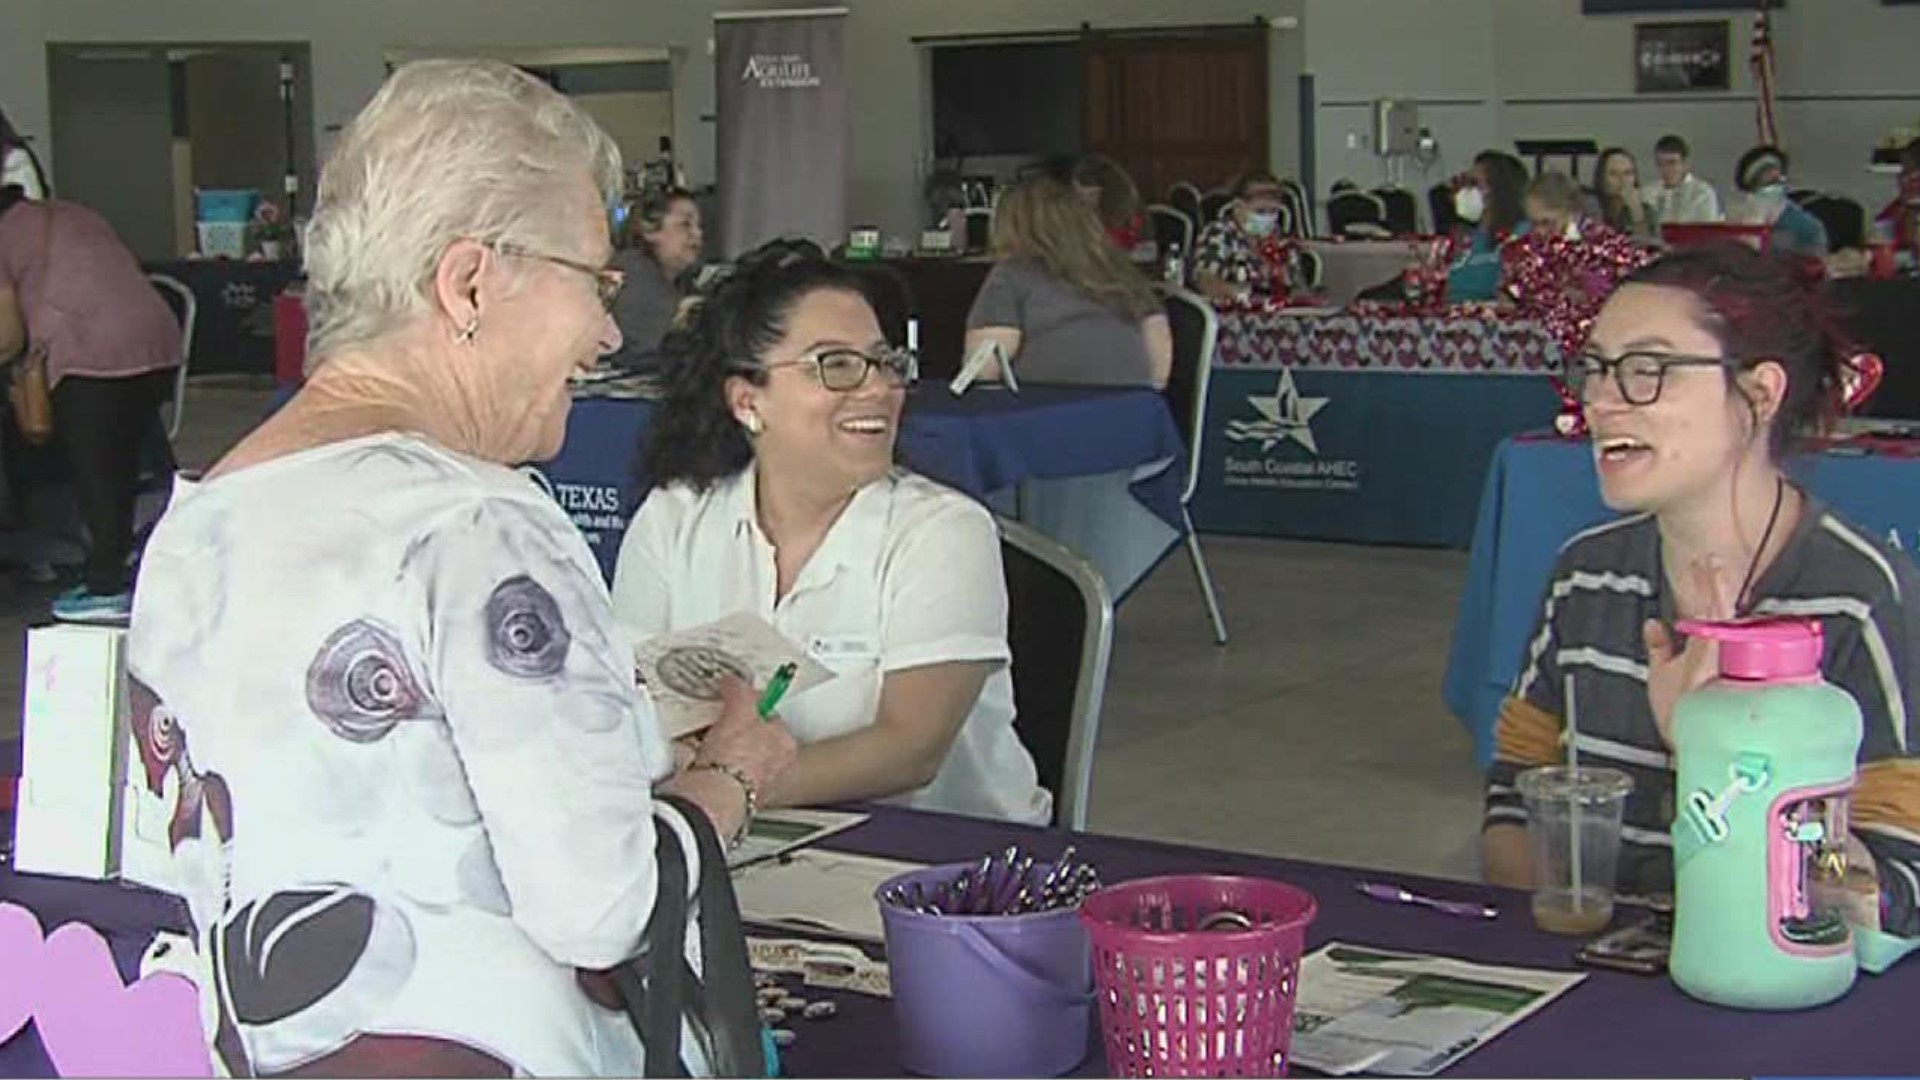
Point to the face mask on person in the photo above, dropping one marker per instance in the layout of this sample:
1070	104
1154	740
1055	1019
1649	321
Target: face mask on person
1262	222
1470	203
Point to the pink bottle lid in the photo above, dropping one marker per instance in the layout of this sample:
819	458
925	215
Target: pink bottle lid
1764	650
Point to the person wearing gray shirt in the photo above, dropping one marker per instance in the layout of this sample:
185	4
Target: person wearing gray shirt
666	249
1063	304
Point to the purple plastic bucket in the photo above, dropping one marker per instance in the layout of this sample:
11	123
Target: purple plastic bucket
987	995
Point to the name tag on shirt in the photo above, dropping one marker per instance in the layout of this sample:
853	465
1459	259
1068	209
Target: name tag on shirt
833	649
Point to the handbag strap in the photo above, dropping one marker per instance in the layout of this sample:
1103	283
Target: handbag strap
660	989
727	982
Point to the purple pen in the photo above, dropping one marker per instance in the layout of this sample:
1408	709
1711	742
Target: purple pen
1464	909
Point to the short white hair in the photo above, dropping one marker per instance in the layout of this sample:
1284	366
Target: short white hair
448	149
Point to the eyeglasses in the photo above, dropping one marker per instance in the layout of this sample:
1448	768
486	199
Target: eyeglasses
845	370
606	281
1639	376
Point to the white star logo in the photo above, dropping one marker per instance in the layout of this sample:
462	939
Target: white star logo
1284	415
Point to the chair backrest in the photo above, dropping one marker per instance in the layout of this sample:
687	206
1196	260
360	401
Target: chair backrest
1060	632
1196	333
1403	210
1213	204
1845	220
187	309
979	229
1440	207
1352	212
1294	195
1170	226
1185	197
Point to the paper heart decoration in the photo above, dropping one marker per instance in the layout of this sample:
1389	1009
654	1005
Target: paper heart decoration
1860	380
90	1022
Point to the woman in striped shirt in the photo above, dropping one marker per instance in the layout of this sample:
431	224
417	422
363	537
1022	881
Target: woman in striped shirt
1700	370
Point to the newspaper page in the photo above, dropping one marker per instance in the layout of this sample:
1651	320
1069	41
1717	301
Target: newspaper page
1369	1010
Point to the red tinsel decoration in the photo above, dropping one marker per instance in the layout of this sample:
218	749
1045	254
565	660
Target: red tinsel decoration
1278	257
1560	284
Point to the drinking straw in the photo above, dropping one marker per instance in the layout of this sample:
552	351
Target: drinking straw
1573	779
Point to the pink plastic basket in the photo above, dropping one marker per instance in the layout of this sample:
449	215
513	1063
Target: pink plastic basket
1196	975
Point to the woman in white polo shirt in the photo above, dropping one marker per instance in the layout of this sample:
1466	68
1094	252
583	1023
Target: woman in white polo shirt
777	494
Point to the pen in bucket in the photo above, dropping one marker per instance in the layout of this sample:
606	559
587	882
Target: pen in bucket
776	689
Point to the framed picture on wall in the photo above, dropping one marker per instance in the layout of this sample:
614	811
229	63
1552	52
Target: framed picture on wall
1673	58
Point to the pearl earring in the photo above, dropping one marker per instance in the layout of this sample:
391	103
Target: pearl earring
752	423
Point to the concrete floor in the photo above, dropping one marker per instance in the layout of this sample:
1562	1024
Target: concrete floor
1317	733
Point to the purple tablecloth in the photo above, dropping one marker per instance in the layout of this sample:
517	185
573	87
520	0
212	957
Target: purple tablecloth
1610	1025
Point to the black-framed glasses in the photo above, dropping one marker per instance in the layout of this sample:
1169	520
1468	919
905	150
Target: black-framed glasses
1639	376
845	370
607	282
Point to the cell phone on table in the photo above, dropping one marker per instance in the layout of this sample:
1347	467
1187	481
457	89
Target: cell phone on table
1639	949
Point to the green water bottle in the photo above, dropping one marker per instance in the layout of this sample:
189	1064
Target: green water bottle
1766	758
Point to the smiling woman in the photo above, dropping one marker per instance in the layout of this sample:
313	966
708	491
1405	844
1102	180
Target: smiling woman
1700	371
778	495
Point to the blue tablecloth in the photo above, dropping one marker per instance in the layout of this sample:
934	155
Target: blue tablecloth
1371	429
1538	493
987	443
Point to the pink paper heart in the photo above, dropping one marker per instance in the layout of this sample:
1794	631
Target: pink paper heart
20	948
92	1024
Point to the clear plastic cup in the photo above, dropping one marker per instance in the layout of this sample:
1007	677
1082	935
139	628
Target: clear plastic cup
1573	815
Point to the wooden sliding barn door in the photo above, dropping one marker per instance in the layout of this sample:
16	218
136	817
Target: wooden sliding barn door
1179	106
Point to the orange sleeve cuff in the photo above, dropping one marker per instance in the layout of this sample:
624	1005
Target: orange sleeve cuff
1527	734
1888	795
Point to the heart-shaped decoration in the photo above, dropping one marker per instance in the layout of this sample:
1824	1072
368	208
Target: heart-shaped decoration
92	1024
20	947
1860	379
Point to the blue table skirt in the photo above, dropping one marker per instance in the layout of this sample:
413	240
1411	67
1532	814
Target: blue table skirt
986	443
1382	457
1540	493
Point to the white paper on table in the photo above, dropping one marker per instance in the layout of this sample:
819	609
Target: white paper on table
822	891
777	832
1370	1010
680	669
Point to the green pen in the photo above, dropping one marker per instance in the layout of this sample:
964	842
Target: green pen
777	689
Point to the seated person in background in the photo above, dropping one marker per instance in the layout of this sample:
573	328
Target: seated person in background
1227	263
1698	372
778	495
666	244
1490	205
1557	207
1111	192
1898	222
19	167
1762	176
75	304
1679	198
1062	303
1616	183
375	669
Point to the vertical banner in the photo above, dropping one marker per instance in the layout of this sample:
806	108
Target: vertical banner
784	133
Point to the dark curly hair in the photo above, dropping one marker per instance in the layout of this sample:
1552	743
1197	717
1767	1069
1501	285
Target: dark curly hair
695	438
1767	308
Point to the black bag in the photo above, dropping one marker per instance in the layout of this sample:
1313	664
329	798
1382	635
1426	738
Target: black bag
659	988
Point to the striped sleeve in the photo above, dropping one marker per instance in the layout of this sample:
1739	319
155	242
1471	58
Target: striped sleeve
1525	736
1877	664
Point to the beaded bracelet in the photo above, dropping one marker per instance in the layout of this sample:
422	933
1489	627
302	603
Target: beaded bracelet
746	787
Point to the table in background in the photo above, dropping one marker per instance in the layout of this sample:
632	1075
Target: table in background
1364	428
233	330
1091	467
1610	1025
1541	491
1350	267
1885	316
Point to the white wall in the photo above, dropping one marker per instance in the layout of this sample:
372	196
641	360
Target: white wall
350	38
1490	71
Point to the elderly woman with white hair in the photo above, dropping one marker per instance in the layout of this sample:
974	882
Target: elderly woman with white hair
373	669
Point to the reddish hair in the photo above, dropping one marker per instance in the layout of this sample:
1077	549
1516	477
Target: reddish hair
1765	308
